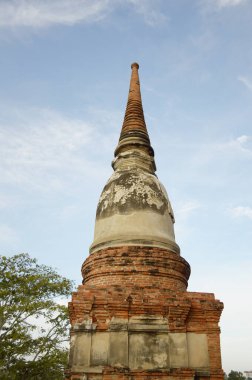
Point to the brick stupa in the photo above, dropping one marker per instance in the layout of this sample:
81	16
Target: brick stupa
132	318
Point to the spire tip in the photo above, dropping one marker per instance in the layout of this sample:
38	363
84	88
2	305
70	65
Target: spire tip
135	64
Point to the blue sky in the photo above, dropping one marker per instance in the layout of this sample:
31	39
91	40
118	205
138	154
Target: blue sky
64	74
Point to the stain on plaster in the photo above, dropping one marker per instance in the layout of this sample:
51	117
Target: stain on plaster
128	191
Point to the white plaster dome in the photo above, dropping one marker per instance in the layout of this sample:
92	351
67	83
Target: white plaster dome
134	209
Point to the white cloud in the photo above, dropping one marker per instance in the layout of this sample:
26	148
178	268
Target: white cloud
241	144
247	82
39	147
236	148
44	150
229	3
39	14
241	211
151	14
219	5
243	139
185	209
46	13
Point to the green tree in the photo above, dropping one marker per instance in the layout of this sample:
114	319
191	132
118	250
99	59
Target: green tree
235	375
33	325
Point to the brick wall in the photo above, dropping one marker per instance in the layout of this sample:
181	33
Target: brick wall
136	266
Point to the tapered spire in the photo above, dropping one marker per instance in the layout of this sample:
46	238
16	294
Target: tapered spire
134	131
134	208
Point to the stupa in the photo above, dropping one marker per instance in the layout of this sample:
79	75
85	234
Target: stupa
133	318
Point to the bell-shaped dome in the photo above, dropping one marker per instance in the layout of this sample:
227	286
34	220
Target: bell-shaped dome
134	208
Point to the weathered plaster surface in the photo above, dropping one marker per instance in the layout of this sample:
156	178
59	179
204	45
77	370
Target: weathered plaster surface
118	349
81	347
140	350
149	351
197	350
99	348
178	350
128	191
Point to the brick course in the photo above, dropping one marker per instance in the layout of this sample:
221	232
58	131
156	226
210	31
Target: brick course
134	265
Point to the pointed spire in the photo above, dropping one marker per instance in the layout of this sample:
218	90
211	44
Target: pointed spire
134	131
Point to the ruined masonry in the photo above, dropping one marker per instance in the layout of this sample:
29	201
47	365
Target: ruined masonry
132	318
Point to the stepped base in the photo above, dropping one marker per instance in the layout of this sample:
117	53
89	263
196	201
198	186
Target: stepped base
143	333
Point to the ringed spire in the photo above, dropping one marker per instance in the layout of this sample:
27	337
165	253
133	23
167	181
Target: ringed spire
134	131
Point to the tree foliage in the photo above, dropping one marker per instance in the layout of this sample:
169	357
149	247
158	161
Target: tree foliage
235	375
33	326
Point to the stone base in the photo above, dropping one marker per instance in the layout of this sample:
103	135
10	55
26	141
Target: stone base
143	333
176	374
